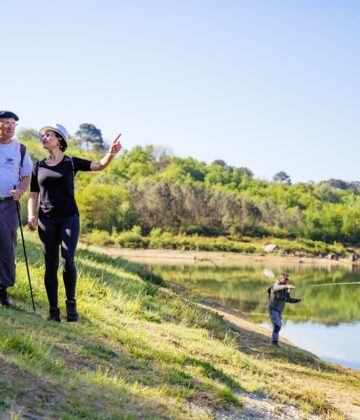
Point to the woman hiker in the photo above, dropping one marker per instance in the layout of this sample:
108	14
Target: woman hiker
58	223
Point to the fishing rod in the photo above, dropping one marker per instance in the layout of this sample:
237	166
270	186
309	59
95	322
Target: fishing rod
334	284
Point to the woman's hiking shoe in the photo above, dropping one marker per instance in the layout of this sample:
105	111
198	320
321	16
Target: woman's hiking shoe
71	311
54	314
4	299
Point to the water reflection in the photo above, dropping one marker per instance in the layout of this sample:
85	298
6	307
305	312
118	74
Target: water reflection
335	344
330	295
328	318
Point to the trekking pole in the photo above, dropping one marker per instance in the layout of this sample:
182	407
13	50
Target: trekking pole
26	260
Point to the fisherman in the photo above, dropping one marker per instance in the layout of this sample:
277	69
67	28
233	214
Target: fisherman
279	294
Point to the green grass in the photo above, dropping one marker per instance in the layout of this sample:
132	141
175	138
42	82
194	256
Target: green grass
142	350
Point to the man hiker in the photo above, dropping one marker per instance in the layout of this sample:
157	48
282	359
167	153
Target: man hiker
279	294
15	170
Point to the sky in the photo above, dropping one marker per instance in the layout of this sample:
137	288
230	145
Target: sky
272	85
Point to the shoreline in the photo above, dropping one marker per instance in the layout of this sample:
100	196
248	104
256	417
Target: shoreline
235	320
209	258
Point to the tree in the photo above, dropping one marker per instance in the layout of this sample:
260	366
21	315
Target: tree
338	184
217	175
245	172
220	162
89	134
326	193
105	207
27	134
282	177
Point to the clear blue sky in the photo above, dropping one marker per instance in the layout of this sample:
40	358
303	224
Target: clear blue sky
270	85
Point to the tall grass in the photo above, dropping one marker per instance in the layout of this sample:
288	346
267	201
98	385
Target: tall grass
140	350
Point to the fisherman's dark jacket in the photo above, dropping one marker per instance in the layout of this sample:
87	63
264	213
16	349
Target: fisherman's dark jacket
279	295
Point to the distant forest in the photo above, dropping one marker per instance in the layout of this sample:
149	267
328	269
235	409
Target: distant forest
149	190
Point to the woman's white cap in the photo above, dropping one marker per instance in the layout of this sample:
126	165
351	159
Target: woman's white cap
58	128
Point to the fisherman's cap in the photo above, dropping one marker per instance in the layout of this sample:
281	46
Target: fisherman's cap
8	114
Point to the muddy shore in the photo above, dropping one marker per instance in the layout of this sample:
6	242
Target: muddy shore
174	257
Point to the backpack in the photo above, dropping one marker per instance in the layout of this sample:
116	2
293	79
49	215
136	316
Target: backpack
277	295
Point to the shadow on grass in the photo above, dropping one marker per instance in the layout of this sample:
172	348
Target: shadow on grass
211	372
138	269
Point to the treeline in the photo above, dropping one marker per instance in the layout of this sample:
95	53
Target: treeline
148	190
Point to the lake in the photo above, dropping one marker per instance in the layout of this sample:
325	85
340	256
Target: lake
326	322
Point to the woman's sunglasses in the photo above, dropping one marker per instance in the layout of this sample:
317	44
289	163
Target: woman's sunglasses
46	135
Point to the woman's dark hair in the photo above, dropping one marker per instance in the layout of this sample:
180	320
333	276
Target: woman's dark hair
62	142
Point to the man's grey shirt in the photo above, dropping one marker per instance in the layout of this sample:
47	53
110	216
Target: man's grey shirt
10	160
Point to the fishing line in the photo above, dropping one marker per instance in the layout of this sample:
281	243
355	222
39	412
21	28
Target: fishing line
334	284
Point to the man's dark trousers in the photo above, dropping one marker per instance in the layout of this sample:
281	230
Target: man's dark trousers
8	233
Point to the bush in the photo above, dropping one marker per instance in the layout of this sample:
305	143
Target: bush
131	240
197	230
212	244
164	240
308	246
99	237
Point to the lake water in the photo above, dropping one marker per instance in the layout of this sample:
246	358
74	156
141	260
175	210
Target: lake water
326	322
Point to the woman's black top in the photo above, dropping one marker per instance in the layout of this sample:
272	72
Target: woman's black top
56	186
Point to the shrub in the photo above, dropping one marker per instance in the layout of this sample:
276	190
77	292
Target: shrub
99	237
131	240
159	239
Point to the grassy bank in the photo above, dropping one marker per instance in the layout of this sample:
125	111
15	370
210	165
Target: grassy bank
144	349
159	239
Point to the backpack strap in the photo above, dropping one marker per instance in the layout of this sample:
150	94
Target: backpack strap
73	167
37	164
22	156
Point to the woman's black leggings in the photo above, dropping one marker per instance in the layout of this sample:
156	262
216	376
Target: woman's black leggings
63	233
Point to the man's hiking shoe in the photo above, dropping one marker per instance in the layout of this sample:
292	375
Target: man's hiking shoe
275	343
54	314
4	299
71	311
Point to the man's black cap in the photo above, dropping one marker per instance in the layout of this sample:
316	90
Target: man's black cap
8	114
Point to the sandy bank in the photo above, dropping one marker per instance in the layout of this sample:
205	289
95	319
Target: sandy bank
174	257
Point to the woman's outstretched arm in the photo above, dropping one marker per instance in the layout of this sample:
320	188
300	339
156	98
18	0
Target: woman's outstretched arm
107	159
